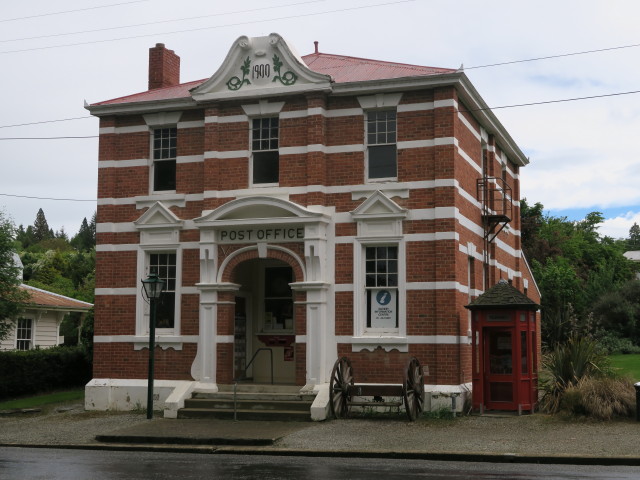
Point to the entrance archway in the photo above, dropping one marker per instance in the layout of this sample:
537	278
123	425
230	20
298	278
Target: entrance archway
266	318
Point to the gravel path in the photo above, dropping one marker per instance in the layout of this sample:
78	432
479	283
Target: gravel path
528	434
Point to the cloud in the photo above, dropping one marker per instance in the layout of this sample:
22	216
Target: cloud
619	226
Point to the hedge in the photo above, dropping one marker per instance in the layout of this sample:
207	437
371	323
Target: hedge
42	370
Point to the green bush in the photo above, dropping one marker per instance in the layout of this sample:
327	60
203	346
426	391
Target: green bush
35	371
612	344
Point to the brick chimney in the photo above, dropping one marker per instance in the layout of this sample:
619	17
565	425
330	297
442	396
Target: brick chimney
164	67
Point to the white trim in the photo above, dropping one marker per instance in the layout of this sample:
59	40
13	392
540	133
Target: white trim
409	339
117	291
415	107
226	154
190	158
227	119
123	130
191	124
138	162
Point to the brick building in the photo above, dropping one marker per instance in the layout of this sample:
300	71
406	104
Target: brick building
318	206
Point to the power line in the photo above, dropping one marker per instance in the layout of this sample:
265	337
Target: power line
46	121
284	127
161	21
50	138
70	11
561	55
248	22
48	198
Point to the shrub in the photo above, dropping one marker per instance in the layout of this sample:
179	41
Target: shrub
566	365
603	398
35	371
612	344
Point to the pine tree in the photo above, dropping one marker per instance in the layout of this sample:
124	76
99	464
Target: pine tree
41	230
633	243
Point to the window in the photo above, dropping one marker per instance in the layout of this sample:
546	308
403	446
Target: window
381	284
24	334
164	265
164	158
264	147
381	144
278	298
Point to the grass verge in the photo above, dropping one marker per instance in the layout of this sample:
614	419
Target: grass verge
627	365
46	399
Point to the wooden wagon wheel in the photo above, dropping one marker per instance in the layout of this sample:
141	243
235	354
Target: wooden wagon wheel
341	379
413	389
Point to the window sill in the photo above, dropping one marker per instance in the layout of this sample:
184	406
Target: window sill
372	342
164	342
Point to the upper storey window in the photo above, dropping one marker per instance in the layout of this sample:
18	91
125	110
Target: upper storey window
381	144
164	158
264	149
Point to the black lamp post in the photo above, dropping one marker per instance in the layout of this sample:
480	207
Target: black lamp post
153	287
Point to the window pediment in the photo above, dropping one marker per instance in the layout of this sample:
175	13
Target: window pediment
258	209
158	216
378	206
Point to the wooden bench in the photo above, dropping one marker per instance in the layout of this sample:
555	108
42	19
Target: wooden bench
343	390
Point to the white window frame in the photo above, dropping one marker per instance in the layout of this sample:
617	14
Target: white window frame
143	316
154	161
32	331
368	146
360	288
252	159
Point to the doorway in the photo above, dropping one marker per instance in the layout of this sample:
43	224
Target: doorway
498	362
264	330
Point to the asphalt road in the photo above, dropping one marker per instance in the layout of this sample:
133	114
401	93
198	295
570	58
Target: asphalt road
32	464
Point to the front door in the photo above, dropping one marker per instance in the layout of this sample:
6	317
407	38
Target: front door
499	367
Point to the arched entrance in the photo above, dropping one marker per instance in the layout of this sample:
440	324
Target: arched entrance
264	322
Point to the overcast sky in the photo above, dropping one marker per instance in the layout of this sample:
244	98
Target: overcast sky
583	153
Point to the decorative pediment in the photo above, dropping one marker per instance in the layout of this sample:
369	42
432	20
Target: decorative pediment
260	66
158	217
257	209
378	205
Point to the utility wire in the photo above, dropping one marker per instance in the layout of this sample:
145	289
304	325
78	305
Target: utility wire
46	121
161	21
405	116
248	22
48	198
70	11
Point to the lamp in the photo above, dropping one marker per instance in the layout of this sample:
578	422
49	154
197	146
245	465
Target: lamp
153	287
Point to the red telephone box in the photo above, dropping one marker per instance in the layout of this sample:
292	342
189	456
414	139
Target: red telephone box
505	350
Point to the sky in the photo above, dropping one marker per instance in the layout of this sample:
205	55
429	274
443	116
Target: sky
576	115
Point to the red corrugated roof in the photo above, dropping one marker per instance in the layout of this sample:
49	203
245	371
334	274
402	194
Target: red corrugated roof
42	298
351	69
341	69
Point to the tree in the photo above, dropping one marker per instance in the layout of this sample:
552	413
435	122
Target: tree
41	230
85	239
11	297
633	243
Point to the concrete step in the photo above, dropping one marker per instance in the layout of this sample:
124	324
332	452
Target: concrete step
257	396
264	415
252	402
259	388
248	404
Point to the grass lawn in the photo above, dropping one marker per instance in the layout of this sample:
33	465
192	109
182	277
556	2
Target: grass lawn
40	400
628	365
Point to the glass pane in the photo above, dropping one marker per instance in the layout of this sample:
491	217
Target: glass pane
500	353
165	310
382	161
392	266
381	280
371	253
392	280
523	353
370	267
265	167
370	280
164	175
